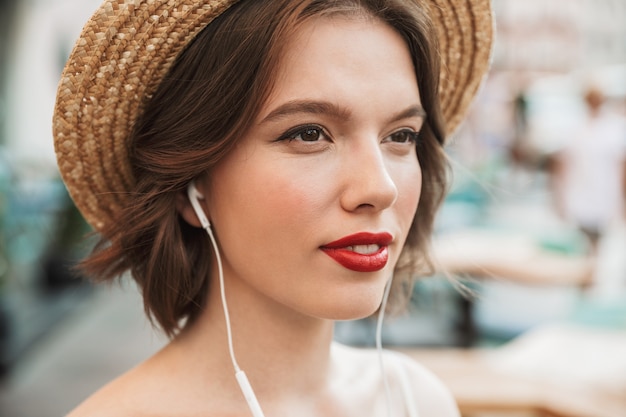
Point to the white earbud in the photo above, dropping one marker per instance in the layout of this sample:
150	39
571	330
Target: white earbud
194	198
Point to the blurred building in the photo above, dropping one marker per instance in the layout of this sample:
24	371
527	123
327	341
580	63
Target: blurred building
559	35
39	225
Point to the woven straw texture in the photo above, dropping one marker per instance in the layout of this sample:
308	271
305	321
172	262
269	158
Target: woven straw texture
128	46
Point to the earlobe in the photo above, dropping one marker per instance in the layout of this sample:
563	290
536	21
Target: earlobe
185	209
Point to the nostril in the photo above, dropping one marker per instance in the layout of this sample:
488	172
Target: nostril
373	194
365	206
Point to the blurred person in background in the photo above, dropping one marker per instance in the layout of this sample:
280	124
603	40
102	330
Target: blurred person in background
589	172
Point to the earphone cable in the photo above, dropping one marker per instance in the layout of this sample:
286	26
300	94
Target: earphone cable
224	303
379	345
242	379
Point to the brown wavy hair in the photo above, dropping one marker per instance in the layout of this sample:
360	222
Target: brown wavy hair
212	93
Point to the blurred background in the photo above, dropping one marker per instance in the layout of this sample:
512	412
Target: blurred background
526	314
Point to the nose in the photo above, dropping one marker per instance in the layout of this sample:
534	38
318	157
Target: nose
368	183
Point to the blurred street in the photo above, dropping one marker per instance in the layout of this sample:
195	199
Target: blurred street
106	334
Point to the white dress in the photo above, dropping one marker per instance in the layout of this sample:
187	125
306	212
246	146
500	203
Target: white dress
402	391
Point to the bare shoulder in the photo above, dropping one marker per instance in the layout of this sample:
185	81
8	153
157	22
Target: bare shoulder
145	390
164	385
112	400
433	397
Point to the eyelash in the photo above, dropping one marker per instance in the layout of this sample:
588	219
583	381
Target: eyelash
413	136
292	134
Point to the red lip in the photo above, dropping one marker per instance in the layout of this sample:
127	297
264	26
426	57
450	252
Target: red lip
339	251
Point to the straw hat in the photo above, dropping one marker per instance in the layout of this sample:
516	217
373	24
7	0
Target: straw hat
127	47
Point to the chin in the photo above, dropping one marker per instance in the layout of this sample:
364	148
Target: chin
358	306
355	315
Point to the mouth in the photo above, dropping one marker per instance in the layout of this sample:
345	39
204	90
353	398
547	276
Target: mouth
360	252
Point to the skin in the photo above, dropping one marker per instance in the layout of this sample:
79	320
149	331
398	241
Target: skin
273	202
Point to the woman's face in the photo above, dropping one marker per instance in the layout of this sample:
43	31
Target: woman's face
312	207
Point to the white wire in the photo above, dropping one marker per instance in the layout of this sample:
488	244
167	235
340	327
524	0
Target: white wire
379	345
223	296
242	379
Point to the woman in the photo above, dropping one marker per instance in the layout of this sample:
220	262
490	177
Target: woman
304	137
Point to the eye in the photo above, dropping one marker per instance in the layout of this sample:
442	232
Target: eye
403	136
310	133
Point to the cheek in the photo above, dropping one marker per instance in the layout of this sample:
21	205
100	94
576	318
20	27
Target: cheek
294	199
297	206
409	186
270	200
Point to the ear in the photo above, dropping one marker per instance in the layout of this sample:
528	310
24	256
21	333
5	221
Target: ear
185	209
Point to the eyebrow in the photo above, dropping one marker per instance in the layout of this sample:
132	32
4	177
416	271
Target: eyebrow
332	110
307	107
413	111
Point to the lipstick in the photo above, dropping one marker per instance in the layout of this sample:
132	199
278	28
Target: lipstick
360	252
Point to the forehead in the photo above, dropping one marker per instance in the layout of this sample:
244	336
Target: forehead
343	55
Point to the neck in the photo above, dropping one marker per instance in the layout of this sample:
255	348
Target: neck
271	342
